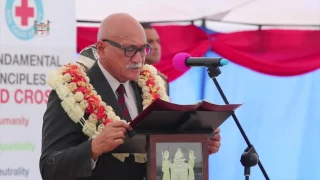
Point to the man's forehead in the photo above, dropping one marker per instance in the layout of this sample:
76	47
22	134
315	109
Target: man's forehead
133	41
121	34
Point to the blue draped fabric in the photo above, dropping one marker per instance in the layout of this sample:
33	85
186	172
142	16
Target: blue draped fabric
279	115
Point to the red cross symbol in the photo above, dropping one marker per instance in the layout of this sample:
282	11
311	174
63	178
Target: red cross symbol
24	12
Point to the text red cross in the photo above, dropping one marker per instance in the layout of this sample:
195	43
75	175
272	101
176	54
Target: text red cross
24	12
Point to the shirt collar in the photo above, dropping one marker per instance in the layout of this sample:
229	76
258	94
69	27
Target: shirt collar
114	83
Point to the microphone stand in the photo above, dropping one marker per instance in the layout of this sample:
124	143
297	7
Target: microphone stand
250	157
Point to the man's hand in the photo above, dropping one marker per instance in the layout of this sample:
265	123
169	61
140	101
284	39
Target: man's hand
112	136
215	142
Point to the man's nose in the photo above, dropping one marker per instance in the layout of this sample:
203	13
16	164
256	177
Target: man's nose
136	58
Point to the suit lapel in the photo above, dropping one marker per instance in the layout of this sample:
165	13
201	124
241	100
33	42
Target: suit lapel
103	88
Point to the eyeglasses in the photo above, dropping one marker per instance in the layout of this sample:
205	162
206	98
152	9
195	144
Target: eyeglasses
131	50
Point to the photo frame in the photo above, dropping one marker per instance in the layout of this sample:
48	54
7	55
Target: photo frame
178	157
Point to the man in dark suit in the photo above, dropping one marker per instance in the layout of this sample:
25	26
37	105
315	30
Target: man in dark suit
68	154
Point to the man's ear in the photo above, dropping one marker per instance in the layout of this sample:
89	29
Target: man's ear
100	48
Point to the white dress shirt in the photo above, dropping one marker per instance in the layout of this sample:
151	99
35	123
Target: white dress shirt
130	98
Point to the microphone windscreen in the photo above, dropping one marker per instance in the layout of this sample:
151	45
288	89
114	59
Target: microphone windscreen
179	61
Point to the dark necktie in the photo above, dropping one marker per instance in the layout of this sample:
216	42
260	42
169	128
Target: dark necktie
122	102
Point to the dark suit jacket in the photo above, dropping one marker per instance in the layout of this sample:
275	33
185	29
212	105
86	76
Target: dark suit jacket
66	151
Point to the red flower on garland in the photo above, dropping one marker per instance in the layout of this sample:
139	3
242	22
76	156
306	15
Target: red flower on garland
151	82
155	96
93	103
100	112
75	74
94	100
145	72
73	66
106	121
85	91
90	108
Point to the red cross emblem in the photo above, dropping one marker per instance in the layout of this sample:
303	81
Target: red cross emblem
24	12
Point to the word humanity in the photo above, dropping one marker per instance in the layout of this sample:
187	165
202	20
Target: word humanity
17	147
11	78
29	60
20	171
24	96
21	121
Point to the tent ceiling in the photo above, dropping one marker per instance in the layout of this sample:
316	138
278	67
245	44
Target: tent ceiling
262	12
273	12
150	10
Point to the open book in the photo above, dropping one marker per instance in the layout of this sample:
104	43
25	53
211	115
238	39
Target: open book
163	117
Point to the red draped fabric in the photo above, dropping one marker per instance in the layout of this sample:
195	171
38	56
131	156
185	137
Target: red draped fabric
174	39
273	52
86	36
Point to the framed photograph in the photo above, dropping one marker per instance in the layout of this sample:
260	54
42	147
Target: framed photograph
178	157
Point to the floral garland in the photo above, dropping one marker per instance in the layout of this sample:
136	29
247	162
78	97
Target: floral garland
79	98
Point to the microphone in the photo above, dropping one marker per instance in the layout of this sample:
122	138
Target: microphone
183	61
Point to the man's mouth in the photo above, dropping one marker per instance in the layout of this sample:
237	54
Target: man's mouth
135	69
